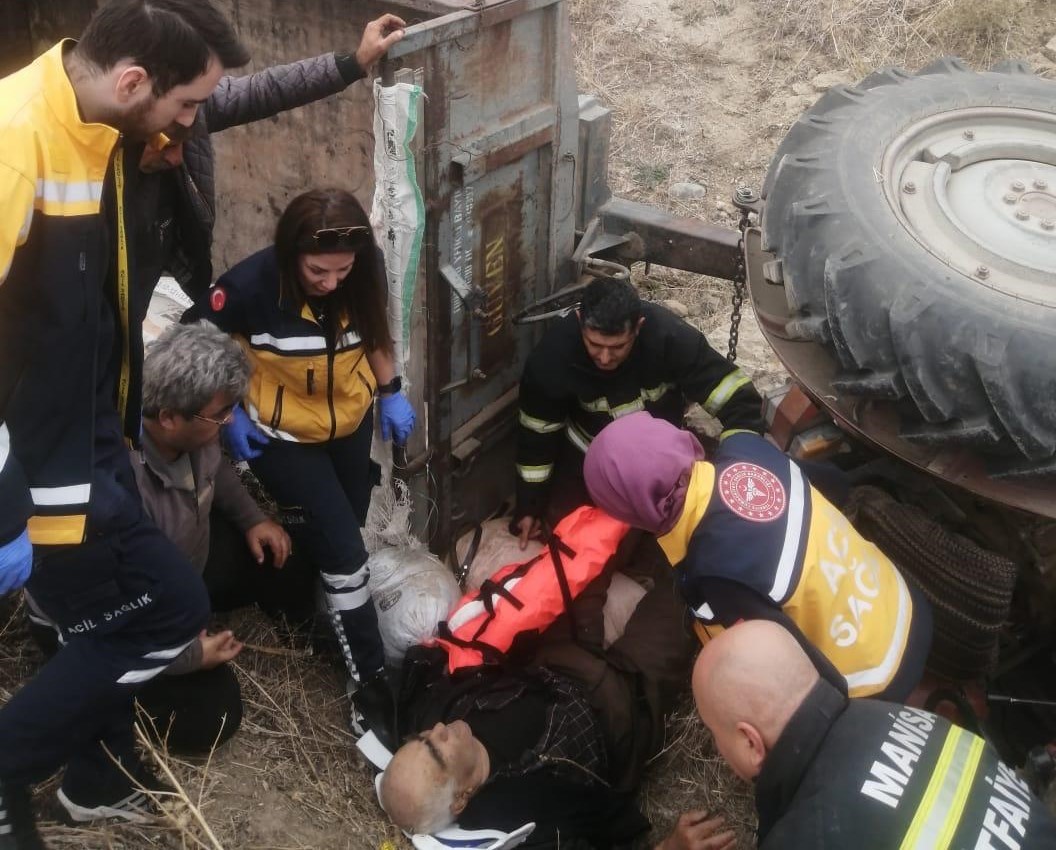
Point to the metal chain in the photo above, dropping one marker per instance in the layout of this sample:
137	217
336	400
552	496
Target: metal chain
739	283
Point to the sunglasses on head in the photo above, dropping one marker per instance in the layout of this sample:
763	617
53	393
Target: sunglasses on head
352	237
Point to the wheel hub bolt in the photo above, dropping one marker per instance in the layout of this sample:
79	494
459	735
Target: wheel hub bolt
1041	184
1022	215
969	134
1011	199
1018	185
909	187
982	272
1048	224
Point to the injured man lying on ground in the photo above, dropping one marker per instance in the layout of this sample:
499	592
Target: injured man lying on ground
560	739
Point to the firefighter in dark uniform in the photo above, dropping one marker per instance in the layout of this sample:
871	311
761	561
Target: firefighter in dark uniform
838	774
615	355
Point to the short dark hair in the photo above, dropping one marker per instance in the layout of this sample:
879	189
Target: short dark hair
172	40
610	307
361	298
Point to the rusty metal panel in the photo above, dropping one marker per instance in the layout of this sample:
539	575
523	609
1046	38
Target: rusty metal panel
499	144
592	166
677	242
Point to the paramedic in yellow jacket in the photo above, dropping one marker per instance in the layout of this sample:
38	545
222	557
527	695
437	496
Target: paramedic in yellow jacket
751	538
310	313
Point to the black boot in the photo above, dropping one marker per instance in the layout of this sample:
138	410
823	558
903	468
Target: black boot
374	703
18	830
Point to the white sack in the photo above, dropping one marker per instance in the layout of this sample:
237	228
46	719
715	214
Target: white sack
412	592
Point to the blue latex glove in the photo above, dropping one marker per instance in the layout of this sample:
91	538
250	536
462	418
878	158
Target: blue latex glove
397	417
244	440
16	563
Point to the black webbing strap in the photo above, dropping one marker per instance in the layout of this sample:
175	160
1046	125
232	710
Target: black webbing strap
492	588
487	651
471	553
557	546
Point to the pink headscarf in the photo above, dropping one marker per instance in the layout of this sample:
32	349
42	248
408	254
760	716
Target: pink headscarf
638	468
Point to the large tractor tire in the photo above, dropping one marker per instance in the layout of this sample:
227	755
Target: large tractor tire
915	220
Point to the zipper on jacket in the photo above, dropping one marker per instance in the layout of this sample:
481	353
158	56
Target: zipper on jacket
311	380
330	388
276	415
82	267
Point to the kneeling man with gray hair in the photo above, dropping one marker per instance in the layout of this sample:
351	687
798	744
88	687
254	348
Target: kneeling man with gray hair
561	742
193	375
832	773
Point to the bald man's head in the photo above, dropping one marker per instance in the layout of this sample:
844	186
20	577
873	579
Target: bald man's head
417	793
747	683
432	777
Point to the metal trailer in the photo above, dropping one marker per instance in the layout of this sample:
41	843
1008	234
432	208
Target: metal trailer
512	163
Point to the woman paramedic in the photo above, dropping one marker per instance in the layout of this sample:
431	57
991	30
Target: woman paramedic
310	312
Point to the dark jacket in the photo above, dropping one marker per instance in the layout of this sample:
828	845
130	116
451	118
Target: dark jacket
564	396
570	807
871	775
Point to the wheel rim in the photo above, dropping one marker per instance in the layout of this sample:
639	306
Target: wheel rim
977	189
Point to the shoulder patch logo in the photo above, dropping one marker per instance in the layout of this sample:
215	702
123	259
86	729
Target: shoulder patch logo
217	299
752	492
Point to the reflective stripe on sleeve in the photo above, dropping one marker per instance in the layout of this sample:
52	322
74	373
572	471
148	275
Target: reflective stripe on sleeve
725	391
578	437
539	426
289	343
76	192
72	494
786	565
535	474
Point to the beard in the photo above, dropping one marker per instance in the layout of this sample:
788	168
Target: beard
136	123
140	124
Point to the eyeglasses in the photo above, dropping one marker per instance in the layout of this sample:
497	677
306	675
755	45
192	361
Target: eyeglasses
341	237
228	416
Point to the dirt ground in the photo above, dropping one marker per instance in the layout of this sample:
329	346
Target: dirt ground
702	91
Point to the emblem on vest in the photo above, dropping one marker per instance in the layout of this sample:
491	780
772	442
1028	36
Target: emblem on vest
752	492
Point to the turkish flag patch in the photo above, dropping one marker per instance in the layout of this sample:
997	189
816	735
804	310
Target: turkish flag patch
217	299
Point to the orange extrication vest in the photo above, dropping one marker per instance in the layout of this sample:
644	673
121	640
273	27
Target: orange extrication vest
527	597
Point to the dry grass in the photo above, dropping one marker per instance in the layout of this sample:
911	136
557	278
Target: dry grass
291	779
864	34
689	775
